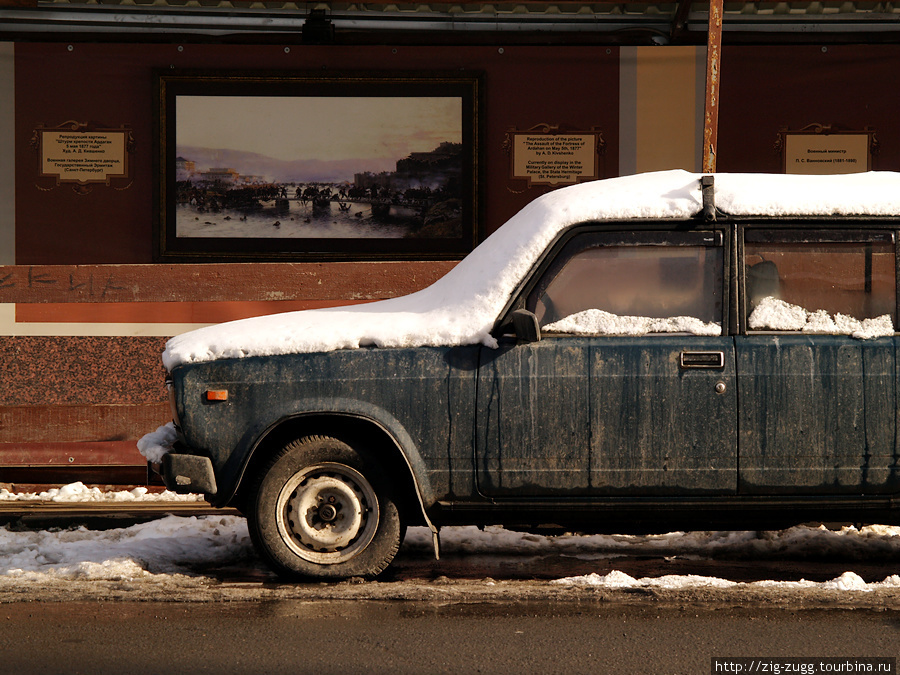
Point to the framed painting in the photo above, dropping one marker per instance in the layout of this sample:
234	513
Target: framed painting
320	166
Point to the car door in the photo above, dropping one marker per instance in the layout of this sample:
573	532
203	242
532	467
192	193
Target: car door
817	371
631	390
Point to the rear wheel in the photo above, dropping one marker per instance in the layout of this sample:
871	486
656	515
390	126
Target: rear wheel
321	509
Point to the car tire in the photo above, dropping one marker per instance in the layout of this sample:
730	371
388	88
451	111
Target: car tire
323	510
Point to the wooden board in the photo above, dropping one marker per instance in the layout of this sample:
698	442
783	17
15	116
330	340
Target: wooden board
62	424
226	282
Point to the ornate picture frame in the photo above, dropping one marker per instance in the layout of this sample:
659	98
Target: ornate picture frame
316	166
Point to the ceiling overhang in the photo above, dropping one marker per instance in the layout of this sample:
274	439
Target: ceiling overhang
566	21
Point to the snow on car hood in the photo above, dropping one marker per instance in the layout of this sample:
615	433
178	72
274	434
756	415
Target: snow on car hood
461	307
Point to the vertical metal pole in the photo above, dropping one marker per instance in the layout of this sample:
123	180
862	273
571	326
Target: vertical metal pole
711	107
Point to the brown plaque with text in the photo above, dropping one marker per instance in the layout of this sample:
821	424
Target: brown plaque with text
82	155
546	156
819	149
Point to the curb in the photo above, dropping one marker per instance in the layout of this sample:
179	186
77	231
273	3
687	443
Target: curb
99	515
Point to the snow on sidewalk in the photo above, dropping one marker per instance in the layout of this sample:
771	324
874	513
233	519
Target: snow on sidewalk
176	546
80	493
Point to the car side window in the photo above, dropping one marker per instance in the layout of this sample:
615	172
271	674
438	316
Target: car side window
830	283
647	282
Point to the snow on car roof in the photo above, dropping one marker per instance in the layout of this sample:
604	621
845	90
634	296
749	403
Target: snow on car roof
461	307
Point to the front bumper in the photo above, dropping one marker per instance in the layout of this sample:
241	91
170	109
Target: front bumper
184	474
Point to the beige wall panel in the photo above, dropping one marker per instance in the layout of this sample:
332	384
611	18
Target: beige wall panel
628	110
10	327
666	111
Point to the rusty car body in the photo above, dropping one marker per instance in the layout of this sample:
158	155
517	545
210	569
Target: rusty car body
332	455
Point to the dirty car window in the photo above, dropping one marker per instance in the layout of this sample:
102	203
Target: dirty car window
658	276
797	281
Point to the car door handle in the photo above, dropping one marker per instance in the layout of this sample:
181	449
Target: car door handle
714	360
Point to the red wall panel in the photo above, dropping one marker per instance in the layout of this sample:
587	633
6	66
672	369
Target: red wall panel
766	89
112	85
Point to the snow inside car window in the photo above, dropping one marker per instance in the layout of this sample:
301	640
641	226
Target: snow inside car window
795	282
604	284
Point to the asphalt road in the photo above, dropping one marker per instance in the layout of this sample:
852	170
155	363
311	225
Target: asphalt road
325	637
467	613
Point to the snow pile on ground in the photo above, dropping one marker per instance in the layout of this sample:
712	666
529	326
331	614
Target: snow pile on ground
616	579
848	581
599	322
184	546
796	543
157	443
775	314
79	492
171	545
848	543
461	307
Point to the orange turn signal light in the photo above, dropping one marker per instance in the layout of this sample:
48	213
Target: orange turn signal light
217	395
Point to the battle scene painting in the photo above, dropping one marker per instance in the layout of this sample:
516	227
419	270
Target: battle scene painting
329	173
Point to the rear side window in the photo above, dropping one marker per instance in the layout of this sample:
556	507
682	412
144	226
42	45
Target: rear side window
833	283
635	284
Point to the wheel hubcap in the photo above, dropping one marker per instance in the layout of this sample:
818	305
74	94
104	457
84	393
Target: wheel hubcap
327	513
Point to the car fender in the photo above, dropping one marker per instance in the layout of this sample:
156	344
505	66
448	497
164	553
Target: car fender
255	437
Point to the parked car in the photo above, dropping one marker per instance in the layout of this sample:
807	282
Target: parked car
647	353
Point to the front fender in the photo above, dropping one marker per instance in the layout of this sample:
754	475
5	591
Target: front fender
256	435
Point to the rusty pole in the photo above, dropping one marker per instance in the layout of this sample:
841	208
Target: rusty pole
711	107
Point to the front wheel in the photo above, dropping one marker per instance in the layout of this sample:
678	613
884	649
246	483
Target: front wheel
323	510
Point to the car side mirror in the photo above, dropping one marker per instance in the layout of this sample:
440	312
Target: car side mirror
525	325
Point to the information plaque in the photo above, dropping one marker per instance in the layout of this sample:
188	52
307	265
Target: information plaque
79	154
549	157
820	150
